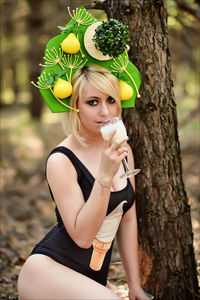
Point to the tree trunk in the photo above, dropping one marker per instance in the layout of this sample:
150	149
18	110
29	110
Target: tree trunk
35	55
168	267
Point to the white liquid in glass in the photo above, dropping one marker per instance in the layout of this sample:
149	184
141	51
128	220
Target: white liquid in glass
107	127
118	126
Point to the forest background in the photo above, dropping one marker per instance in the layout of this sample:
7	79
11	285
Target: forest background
29	130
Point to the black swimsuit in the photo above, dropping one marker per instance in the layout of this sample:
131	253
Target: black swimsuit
58	245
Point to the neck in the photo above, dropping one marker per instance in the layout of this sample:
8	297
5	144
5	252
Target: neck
92	142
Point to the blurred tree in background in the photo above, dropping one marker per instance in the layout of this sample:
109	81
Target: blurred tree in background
26	27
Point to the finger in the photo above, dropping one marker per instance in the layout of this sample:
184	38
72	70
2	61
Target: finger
122	156
122	150
119	143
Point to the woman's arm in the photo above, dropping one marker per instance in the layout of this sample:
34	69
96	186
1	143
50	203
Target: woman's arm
82	219
127	240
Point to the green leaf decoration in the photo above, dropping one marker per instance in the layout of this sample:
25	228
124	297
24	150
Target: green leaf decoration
60	74
53	77
50	81
62	28
120	76
117	74
70	28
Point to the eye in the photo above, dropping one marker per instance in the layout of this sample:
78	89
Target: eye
92	102
111	100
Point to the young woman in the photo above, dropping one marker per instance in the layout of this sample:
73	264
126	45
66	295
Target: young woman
83	175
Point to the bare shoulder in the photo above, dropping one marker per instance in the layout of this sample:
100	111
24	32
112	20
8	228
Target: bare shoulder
60	163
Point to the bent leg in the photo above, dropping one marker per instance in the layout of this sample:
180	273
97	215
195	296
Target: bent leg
43	278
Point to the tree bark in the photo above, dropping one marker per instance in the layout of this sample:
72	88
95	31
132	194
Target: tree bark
35	55
167	262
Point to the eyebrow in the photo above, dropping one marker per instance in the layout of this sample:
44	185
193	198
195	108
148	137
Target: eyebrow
92	97
97	98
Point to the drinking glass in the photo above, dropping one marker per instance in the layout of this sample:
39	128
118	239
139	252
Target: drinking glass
117	124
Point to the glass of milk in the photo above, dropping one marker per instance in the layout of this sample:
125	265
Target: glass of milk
117	124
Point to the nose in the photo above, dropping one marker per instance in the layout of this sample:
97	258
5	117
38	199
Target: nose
104	111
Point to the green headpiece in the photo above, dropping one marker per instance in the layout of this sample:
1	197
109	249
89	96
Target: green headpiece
85	41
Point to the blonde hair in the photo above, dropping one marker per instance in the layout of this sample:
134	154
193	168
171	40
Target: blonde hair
102	80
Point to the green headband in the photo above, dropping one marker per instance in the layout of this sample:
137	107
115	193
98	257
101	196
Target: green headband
76	47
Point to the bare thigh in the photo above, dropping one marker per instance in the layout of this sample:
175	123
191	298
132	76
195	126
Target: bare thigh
43	278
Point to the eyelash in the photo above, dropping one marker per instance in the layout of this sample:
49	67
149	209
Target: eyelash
111	100
94	102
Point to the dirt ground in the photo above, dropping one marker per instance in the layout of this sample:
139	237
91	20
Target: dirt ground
27	212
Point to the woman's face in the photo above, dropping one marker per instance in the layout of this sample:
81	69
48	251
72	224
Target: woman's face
95	107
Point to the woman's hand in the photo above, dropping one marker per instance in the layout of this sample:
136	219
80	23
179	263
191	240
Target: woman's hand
112	155
137	293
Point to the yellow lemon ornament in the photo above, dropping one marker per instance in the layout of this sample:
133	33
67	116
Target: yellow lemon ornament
70	44
126	91
62	88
